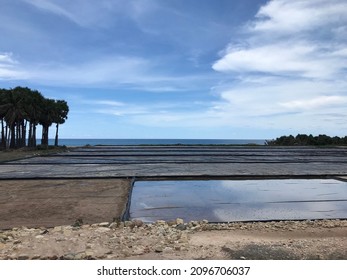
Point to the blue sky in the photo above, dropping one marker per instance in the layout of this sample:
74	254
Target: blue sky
243	69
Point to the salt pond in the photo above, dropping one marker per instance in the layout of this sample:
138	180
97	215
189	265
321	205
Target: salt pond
239	200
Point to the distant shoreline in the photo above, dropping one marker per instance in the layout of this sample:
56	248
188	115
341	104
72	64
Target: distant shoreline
145	142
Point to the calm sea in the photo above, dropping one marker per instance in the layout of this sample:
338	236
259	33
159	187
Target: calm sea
92	142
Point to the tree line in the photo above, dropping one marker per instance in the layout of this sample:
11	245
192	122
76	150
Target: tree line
21	110
307	140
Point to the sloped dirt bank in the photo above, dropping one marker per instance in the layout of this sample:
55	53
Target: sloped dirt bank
179	240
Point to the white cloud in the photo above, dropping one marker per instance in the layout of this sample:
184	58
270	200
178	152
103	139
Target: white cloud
290	68
300	59
315	103
299	15
304	44
9	68
108	103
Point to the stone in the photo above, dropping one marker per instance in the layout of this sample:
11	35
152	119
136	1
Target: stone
104	224
23	257
158	249
102	229
69	256
113	225
168	250
89	253
181	227
67	232
179	221
140	250
138	223
57	229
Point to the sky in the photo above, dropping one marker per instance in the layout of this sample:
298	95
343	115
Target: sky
209	69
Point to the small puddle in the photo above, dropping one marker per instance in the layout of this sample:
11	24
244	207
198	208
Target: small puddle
239	200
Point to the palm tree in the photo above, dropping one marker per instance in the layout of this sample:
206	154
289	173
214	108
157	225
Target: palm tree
3	92
13	115
60	115
46	118
20	106
33	108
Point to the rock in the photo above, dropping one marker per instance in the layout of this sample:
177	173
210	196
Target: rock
160	222
44	231
113	225
168	250
138	223
89	253
104	224
140	250
80	256
126	252
181	227
17	241
128	224
57	229
102	229
67	232
23	257
172	223
39	236
179	221
158	249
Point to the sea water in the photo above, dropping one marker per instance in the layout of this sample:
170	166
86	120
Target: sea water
92	142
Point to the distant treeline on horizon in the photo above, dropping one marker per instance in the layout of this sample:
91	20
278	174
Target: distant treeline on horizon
307	140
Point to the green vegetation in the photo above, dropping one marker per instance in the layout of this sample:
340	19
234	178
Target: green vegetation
307	140
21	110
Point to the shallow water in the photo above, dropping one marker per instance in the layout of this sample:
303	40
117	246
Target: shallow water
239	200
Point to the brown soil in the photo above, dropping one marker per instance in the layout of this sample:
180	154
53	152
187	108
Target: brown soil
49	203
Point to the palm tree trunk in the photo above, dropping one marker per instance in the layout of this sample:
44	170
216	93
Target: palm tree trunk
56	136
24	133
30	133
44	140
34	135
12	136
3	138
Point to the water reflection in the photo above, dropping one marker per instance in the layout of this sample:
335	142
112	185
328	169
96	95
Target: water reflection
246	200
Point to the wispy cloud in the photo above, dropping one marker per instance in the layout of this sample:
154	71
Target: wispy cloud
290	66
9	68
299	16
316	103
54	8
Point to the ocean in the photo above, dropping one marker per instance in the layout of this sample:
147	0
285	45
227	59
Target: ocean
93	142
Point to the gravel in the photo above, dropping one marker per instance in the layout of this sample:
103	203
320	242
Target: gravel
178	240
